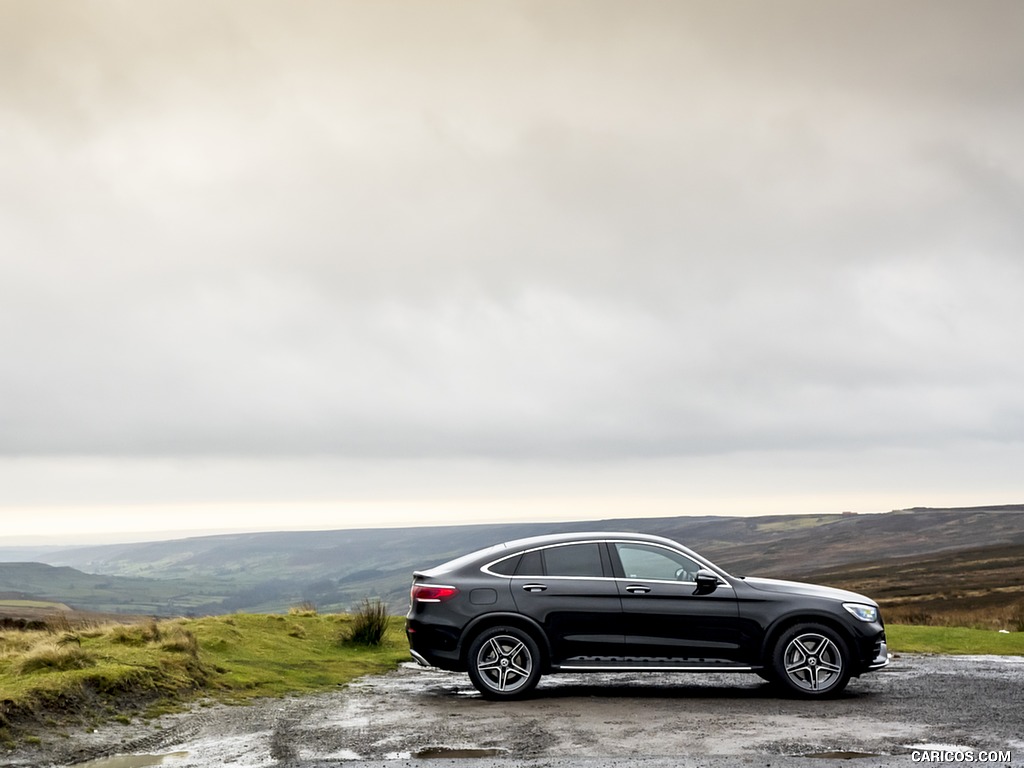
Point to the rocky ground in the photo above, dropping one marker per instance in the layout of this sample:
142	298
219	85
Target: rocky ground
417	717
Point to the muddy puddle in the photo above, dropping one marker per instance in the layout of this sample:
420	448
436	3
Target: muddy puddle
439	753
134	761
415	715
842	755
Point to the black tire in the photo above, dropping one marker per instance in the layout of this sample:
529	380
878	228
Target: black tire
504	663
811	661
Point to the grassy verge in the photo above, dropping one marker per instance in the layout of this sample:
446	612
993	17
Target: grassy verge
87	675
907	638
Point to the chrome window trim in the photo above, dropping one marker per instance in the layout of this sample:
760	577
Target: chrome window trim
485	568
722	581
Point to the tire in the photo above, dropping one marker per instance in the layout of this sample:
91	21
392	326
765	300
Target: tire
504	663
811	661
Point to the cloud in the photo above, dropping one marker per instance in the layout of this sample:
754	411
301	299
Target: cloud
578	231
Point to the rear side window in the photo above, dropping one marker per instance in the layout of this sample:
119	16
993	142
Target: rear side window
573	560
530	565
506	567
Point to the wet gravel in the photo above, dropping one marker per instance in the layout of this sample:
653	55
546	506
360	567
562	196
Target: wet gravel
431	719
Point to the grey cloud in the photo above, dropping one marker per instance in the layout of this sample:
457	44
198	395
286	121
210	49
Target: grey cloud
373	230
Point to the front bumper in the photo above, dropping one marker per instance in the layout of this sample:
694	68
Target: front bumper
882	656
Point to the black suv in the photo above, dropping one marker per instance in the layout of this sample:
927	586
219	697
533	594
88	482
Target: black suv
604	602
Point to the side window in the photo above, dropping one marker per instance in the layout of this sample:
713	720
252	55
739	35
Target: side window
507	566
573	560
530	565
640	561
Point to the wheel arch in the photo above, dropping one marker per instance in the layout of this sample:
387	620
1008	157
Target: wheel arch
481	623
785	623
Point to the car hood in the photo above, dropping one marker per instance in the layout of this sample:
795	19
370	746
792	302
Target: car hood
811	590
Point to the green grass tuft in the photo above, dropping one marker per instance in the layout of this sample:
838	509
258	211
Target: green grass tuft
51	657
369	625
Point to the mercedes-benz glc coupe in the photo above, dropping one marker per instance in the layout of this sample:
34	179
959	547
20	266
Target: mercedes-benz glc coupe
585	602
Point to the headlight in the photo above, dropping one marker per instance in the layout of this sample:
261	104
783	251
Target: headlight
862	612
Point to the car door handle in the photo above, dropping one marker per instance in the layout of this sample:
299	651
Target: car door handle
636	589
535	587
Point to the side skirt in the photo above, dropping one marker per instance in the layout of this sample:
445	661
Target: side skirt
649	664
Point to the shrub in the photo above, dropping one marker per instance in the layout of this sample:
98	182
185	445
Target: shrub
1017	620
59	623
369	623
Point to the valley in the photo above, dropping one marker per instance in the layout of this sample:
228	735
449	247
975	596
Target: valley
930	565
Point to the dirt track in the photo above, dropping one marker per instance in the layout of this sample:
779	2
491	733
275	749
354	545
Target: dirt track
432	718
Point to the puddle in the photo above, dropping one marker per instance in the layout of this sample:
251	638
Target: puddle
445	752
842	755
130	761
433	752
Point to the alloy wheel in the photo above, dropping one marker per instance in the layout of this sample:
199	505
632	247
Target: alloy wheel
813	662
505	663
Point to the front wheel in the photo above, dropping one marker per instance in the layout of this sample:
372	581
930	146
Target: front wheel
812	660
504	663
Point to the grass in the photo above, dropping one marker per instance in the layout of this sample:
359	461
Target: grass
83	674
370	623
272	655
980	587
907	638
96	673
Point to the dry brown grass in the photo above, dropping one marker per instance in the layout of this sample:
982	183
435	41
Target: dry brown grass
954	613
55	657
305	608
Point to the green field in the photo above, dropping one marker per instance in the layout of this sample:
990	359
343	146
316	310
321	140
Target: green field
81	676
906	638
16	606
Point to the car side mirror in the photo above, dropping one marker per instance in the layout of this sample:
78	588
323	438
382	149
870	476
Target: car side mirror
707	582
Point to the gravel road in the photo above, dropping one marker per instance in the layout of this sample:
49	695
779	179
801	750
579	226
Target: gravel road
431	719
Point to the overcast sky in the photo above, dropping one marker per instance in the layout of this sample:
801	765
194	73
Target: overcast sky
328	264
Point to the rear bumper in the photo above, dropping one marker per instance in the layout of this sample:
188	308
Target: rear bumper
433	646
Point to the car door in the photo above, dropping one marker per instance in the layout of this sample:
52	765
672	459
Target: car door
570	591
664	616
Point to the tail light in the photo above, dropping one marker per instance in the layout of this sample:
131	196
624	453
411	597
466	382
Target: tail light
431	593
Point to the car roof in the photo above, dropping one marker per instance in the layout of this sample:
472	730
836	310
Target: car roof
498	551
561	538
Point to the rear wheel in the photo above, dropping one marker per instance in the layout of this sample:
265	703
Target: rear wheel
504	663
812	660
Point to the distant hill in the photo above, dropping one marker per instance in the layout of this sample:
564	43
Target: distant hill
101	593
335	569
